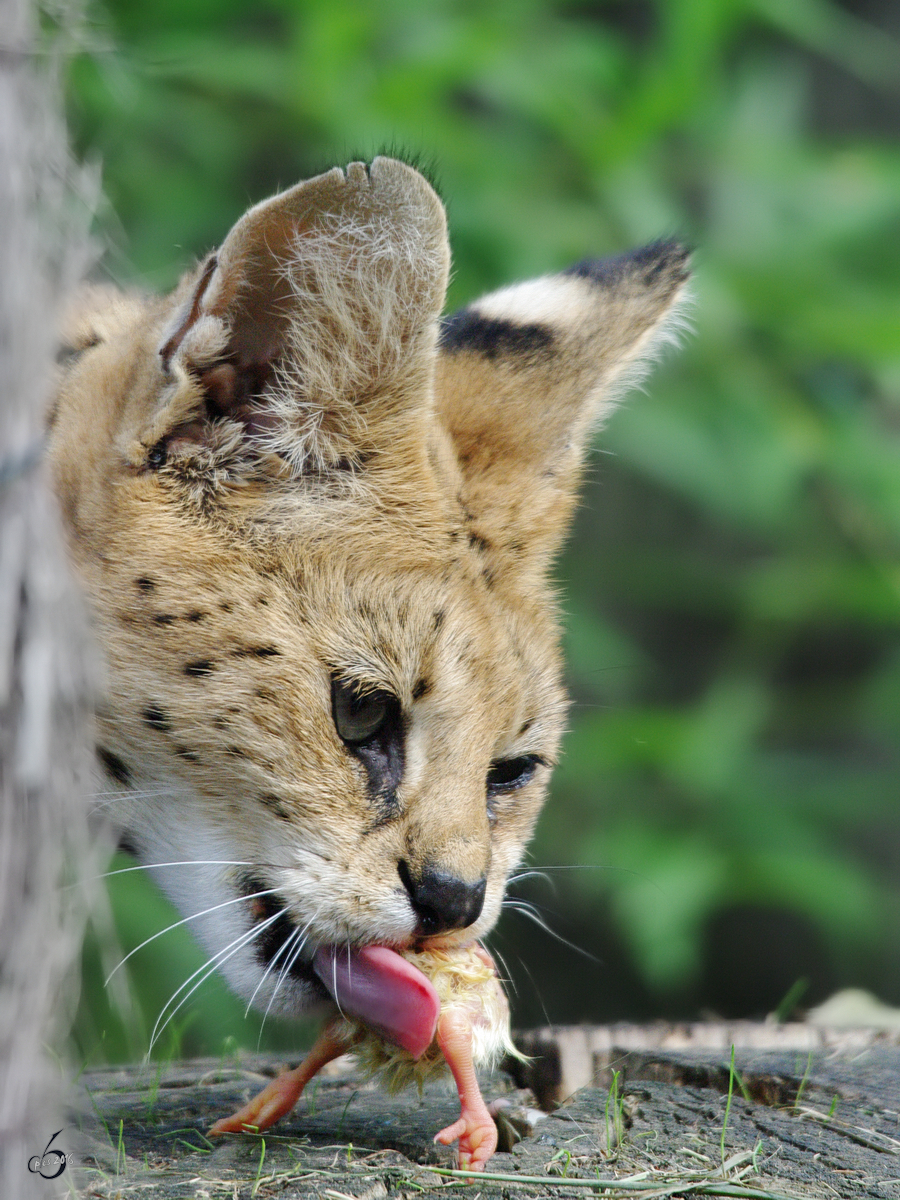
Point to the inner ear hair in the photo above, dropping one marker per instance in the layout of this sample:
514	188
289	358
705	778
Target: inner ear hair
313	325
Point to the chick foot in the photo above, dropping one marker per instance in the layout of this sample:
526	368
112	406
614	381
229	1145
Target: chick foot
279	1097
475	1128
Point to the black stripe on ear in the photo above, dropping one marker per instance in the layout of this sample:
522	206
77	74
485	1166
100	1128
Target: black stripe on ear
495	338
663	260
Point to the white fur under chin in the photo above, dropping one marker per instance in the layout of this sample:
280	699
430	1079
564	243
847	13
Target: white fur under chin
198	870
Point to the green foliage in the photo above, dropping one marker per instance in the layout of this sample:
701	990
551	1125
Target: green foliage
733	586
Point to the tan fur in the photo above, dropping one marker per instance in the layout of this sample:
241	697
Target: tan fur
275	477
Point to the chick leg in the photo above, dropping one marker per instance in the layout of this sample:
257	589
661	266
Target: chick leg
475	1128
280	1096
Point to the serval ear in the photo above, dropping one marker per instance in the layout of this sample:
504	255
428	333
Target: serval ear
526	373
310	332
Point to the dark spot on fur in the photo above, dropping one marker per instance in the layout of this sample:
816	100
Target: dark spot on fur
114	766
265	694
275	805
255	652
188	755
234	708
66	355
438	619
422	688
236	752
477	542
525	728
263	600
488	576
156	718
225	606
197	615
199	668
467	513
126	845
144	584
163	619
219	723
495	338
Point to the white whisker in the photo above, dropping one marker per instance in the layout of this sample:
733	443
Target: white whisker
529	875
334	991
299	939
302	939
285	948
210	967
571	867
188	862
132	793
184	921
528	910
508	979
535	988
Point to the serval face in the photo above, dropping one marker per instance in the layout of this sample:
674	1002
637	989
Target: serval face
314	523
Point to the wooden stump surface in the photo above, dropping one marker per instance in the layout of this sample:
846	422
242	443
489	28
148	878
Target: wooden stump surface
813	1113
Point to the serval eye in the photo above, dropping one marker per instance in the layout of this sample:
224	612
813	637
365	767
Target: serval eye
507	774
359	716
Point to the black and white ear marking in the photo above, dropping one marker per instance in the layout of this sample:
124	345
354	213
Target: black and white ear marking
496	338
526	373
661	263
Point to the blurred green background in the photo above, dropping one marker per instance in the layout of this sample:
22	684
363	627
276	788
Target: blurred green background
725	820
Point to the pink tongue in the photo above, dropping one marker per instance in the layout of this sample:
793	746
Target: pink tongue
383	990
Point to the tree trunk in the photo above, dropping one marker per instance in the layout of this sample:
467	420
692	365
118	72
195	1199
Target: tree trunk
44	656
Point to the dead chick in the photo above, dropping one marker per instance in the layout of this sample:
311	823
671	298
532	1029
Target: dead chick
407	1016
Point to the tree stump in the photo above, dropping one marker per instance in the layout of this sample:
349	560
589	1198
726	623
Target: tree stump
812	1114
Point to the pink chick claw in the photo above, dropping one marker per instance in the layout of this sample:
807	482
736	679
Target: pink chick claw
475	1129
279	1097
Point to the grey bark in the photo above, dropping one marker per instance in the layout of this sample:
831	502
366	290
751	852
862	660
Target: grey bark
812	1115
45	661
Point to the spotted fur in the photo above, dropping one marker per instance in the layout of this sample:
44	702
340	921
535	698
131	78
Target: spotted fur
290	478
